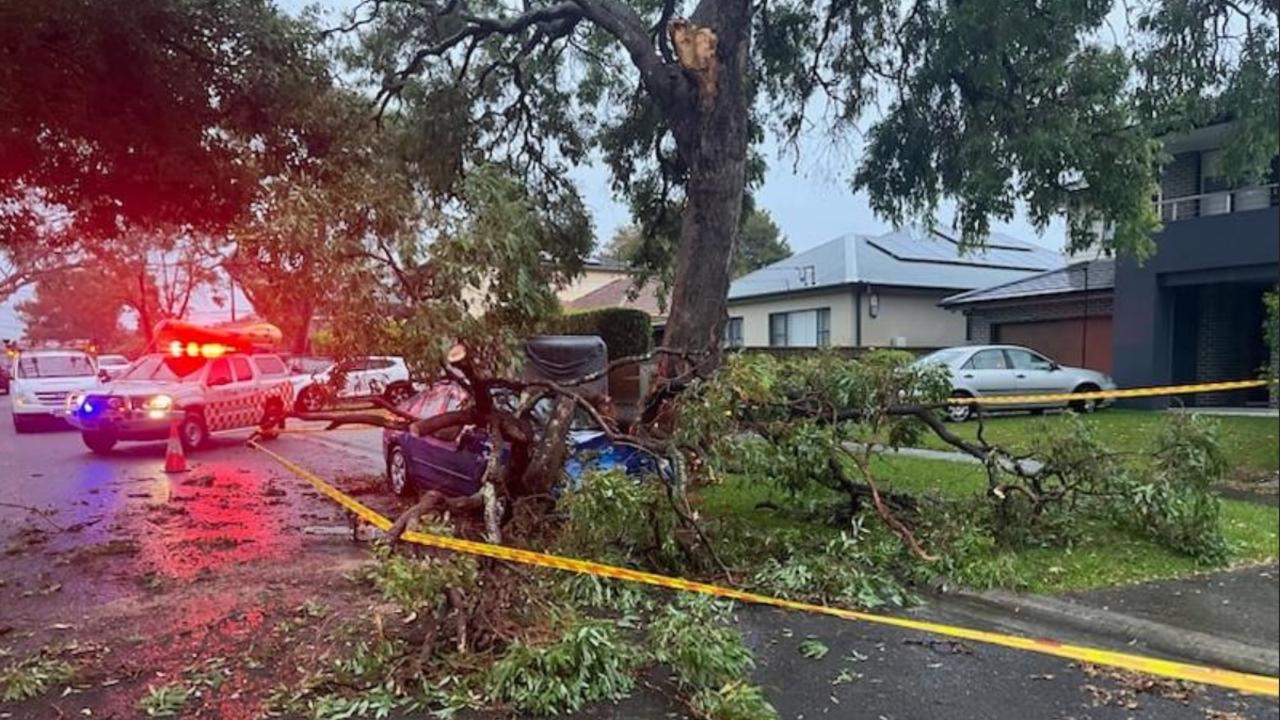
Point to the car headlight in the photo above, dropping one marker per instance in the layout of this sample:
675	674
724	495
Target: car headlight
158	402
24	399
74	400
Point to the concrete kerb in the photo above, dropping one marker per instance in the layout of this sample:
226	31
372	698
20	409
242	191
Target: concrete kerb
1049	616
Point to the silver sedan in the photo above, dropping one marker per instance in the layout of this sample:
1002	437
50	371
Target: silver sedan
992	370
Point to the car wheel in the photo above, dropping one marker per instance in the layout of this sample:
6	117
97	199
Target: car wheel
398	472
310	400
1085	406
192	431
22	424
397	394
99	442
960	412
272	420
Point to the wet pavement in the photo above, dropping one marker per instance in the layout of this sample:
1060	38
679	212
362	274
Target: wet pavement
146	576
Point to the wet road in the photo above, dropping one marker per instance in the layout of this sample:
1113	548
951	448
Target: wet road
149	571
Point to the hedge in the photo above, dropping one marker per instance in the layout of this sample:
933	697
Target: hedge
626	331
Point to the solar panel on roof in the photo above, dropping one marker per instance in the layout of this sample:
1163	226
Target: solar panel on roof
944	250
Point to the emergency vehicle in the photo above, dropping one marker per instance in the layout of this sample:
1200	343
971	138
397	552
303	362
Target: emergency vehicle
206	380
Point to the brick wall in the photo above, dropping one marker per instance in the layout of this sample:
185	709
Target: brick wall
982	319
1219	351
1180	178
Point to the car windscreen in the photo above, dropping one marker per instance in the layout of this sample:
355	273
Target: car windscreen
112	360
940	357
55	366
162	368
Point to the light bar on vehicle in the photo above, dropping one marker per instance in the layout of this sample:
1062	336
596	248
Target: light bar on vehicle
193	349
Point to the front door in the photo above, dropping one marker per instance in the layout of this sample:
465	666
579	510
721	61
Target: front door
220	396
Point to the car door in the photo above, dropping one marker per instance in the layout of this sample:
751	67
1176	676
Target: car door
247	401
219	394
1034	373
452	459
987	372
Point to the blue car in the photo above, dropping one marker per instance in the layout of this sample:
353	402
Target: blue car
453	462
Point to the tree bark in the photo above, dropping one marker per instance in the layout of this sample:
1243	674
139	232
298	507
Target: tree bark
712	135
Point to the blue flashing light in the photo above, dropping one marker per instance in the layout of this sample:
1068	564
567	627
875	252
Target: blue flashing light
86	408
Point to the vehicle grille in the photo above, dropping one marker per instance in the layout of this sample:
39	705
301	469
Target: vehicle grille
52	398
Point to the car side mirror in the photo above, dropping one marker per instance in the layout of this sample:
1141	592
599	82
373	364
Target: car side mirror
1054	366
103	375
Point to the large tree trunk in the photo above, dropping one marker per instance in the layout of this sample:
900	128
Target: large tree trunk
711	133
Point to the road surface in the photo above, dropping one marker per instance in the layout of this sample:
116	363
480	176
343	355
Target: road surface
146	573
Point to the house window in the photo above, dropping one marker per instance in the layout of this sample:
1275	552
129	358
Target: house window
733	333
803	328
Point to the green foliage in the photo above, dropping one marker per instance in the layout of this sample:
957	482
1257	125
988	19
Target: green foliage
1179	507
416	584
33	676
735	701
814	649
760	243
165	700
691	636
787	421
613	517
590	661
625	331
848	569
74	305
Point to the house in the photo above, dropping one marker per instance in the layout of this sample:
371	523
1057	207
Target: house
861	291
617	293
1065	313
596	273
1191	313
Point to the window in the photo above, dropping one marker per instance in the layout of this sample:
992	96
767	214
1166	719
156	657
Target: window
1027	360
987	360
54	366
219	373
269	365
379	364
803	328
243	372
733	333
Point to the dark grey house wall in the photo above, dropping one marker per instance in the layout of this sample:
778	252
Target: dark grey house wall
1234	247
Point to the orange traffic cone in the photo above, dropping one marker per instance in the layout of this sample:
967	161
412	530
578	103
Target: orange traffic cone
175	460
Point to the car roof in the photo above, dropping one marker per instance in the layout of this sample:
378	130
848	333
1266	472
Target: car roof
53	353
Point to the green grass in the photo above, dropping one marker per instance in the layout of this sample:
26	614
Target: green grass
1251	443
1104	556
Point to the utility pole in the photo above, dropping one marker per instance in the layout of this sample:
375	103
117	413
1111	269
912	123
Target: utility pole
233	296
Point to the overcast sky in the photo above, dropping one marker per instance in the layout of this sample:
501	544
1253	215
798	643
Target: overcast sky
810	200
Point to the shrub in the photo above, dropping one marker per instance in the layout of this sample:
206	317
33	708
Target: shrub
591	661
625	331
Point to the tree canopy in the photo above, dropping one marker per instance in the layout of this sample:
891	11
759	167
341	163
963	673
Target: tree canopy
760	243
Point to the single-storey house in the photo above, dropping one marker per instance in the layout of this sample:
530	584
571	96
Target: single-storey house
1064	313
617	293
860	291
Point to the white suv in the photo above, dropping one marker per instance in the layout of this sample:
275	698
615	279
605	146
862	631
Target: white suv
363	377
42	380
203	395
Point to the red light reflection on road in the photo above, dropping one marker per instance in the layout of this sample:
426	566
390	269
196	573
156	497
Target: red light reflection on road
216	514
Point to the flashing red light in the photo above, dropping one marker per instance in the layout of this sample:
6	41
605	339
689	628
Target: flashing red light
195	349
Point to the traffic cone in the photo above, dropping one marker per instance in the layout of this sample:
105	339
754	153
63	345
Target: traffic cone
175	460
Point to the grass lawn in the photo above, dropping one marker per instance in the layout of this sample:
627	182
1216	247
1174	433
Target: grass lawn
1252	443
1106	555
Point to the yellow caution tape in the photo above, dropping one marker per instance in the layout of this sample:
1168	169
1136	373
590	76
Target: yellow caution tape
1243	682
1108	394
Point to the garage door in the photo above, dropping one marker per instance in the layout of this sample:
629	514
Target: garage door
1067	341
